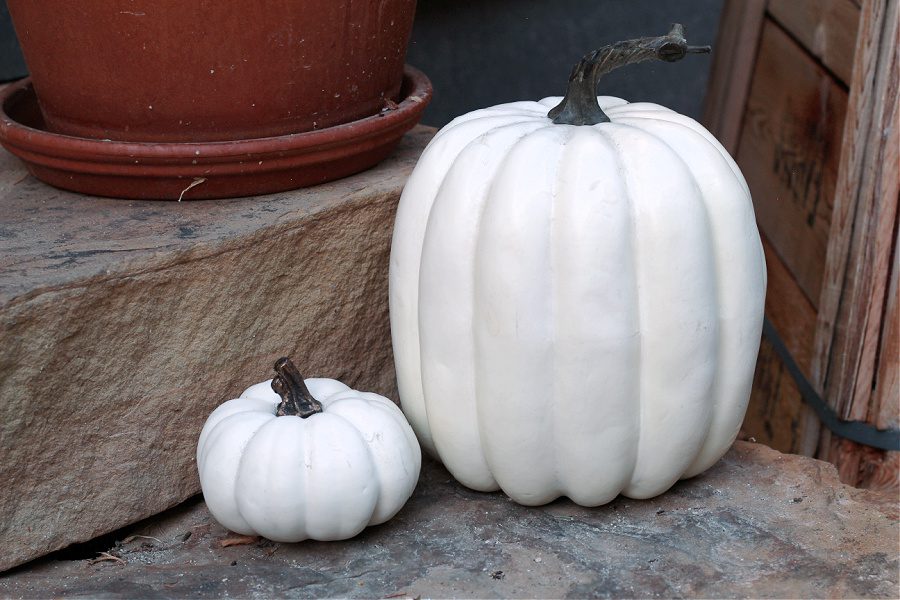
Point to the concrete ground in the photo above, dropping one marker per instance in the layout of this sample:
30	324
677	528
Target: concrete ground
758	524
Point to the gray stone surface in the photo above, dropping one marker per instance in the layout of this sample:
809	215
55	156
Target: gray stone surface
758	524
123	323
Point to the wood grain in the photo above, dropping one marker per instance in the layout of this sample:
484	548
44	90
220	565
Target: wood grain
789	310
733	56
857	129
776	415
886	403
826	28
879	470
794	317
863	243
855	304
790	150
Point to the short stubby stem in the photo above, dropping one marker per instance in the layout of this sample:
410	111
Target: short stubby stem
296	398
580	107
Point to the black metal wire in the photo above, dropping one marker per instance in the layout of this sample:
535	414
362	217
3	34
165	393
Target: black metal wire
855	431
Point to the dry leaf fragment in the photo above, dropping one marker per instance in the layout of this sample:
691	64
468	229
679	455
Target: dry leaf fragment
197	181
239	540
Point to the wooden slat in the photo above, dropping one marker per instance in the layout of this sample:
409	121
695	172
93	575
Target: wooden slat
777	415
827	28
873	298
857	129
860	252
790	150
886	404
880	237
733	56
794	317
789	310
863	245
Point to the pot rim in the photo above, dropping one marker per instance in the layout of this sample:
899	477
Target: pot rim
415	92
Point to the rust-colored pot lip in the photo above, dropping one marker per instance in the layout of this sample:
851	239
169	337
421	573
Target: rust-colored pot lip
37	142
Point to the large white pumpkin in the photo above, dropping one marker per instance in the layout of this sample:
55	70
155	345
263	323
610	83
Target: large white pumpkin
576	310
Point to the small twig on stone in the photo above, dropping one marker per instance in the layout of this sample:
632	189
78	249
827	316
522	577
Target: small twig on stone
106	556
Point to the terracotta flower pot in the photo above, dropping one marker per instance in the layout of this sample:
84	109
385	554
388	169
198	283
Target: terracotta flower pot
206	70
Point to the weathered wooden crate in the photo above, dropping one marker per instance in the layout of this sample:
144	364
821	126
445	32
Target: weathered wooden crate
804	94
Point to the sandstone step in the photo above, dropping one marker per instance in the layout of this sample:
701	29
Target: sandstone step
759	524
125	322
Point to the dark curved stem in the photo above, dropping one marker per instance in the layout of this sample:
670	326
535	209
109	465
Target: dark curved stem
295	397
580	107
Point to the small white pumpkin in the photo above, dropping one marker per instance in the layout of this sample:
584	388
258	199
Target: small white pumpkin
576	293
315	460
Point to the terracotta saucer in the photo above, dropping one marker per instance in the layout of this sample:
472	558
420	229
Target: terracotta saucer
197	170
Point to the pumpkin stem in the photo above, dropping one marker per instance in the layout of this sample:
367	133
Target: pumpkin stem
580	107
295	397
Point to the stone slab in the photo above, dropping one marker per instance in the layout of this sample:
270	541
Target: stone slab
758	524
123	323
